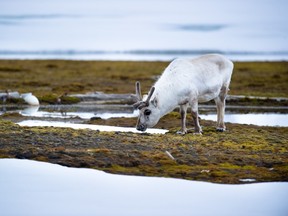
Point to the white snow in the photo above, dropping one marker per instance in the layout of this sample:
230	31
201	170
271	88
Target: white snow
31	188
34	123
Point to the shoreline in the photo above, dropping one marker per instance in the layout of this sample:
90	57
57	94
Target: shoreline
151	55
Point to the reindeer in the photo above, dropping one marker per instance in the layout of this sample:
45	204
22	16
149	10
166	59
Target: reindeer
186	82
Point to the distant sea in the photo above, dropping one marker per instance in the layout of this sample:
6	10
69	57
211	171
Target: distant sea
143	29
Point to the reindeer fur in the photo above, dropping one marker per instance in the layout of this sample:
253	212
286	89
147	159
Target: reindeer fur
187	82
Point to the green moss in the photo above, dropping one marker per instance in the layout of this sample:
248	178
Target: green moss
44	77
10	115
229	166
123	170
249	167
55	99
260	79
15	101
69	100
49	98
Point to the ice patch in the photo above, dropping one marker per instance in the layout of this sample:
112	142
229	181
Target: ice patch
34	123
37	188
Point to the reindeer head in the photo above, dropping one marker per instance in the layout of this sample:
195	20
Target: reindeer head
149	113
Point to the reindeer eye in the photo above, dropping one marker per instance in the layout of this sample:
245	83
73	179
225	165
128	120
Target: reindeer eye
147	112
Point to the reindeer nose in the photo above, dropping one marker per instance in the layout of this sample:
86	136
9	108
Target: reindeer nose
141	127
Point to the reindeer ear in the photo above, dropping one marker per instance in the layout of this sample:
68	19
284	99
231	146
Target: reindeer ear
154	102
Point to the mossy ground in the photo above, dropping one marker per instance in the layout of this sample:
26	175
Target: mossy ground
52	78
242	152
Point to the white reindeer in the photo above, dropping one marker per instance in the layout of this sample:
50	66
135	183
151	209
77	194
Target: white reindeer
185	82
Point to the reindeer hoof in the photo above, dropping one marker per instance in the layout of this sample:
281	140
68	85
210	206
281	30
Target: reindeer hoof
220	129
197	133
181	132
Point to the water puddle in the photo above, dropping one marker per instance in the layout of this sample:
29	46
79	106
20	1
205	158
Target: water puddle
72	115
260	119
76	111
31	188
34	112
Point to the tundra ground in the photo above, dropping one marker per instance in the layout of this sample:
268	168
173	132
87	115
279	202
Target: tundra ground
242	152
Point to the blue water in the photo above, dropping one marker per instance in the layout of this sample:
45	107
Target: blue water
143	29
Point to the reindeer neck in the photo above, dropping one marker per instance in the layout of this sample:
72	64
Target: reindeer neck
167	100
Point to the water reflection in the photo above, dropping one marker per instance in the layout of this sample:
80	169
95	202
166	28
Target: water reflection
29	111
73	111
85	112
82	115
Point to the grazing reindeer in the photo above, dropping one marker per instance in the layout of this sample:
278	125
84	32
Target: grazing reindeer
185	82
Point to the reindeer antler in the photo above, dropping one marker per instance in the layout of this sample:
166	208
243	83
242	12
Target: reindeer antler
150	94
140	103
138	91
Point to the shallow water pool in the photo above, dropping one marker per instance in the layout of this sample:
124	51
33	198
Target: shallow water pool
67	116
261	119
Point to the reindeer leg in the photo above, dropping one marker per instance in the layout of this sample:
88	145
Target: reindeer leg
183	112
220	104
194	111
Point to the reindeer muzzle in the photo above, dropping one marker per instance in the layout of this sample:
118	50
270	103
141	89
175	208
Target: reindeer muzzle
141	127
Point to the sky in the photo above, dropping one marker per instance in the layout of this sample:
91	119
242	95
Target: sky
125	25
